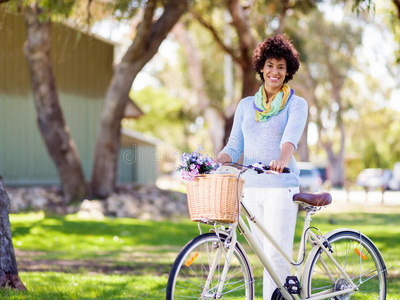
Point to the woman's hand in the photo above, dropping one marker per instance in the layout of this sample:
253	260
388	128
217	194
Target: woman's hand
277	165
223	158
286	154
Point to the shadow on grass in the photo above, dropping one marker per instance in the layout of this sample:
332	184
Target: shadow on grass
61	234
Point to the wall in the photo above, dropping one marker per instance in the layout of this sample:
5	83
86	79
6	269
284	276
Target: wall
83	69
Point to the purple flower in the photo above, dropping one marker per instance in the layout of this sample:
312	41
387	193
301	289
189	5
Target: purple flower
193	164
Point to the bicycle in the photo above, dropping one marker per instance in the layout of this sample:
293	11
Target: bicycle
341	264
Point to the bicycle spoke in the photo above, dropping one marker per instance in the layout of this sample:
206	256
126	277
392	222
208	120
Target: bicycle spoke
195	280
361	262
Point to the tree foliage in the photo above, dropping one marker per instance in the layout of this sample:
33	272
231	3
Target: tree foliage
164	116
375	134
326	67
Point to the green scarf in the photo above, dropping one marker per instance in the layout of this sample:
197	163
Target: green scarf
264	108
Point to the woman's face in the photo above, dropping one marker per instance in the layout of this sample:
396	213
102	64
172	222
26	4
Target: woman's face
274	73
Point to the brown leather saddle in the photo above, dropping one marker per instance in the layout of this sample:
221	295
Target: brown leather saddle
318	199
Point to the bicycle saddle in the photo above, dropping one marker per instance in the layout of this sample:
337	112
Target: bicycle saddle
314	199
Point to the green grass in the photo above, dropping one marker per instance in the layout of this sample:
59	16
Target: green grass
52	286
69	258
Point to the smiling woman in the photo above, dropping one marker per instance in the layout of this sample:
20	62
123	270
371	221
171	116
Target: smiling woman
266	129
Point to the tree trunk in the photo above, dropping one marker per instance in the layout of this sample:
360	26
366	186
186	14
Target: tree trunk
212	116
336	169
397	4
8	265
55	132
250	83
249	88
145	45
302	148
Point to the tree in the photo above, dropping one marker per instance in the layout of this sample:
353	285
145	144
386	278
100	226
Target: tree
322	79
51	123
211	114
374	130
171	115
397	4
8	265
148	38
52	126
393	20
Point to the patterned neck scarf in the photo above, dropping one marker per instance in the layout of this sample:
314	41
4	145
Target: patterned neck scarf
265	109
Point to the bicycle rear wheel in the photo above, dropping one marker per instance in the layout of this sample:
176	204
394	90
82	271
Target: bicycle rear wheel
361	260
191	268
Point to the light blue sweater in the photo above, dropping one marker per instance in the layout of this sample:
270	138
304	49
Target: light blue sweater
262	141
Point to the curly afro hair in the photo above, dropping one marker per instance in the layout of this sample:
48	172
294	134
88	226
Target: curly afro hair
277	47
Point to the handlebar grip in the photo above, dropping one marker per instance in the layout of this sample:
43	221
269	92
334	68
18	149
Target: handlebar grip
285	170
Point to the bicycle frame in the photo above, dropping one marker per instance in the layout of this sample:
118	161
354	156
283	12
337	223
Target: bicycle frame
313	239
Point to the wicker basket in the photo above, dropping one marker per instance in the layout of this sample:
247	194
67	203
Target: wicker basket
214	198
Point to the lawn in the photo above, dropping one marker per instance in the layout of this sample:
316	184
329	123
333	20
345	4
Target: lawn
69	258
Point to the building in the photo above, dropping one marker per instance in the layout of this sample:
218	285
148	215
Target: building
82	65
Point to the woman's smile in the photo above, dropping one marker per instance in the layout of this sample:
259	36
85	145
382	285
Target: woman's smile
274	75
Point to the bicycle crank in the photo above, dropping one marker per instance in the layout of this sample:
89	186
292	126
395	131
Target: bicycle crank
277	295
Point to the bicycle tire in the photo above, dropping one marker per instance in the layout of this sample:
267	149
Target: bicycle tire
187	282
364	265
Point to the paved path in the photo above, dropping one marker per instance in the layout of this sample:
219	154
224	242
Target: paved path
361	197
370	201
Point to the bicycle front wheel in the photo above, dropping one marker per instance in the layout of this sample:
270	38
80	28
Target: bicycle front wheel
360	259
189	273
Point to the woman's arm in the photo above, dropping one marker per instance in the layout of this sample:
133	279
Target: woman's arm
286	154
223	158
297	119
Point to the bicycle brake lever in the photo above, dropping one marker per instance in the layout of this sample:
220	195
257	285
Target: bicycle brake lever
258	167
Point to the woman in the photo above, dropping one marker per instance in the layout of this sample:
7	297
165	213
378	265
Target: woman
267	128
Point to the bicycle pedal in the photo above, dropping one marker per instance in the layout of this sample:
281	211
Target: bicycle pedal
292	285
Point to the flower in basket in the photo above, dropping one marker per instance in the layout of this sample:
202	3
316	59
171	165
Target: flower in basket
195	163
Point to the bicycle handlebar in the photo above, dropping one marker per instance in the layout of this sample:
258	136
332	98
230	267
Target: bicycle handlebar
259	168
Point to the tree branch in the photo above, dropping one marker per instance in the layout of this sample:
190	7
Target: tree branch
246	40
397	3
282	15
137	47
217	38
149	34
173	11
211	114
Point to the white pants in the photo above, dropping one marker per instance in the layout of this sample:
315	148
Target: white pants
275	209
